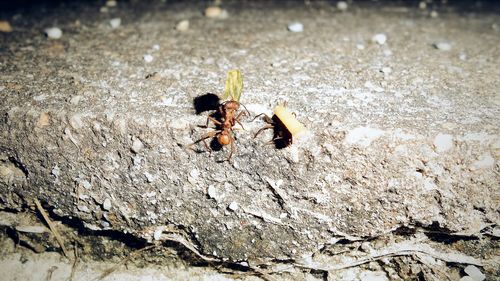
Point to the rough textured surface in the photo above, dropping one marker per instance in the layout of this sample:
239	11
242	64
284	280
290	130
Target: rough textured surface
401	134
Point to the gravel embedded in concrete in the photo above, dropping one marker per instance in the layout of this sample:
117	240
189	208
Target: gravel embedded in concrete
379	38
53	32
296	27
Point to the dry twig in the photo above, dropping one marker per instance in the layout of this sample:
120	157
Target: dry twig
52	227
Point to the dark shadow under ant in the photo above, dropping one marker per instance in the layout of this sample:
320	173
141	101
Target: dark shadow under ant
206	102
281	136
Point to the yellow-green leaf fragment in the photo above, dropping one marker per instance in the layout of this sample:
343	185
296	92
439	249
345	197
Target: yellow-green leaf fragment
288	119
234	85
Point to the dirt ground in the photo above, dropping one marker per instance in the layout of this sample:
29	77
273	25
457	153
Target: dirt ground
397	177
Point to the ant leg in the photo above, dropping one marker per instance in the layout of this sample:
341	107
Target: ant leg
233	148
204	137
237	119
245	108
216	122
262	129
267	119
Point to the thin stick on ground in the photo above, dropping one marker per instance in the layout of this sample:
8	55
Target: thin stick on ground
52	227
107	272
75	262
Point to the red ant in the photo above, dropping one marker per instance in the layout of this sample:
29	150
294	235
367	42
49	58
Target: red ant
228	112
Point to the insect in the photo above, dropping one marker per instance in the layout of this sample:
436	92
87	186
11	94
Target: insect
228	114
285	125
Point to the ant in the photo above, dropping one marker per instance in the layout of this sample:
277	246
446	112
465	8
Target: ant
281	136
229	116
285	125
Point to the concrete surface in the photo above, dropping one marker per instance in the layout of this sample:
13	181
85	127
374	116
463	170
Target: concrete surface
401	134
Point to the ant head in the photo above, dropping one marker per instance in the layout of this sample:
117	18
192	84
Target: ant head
232	105
224	139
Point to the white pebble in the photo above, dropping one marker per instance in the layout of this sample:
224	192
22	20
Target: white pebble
443	46
115	23
156	47
83	208
422	5
296	27
53	32
157	234
148	58
379	38
386	70
212	193
183	25
195	174
104	9
137	145
443	142
233	206
474	272
106	205
462	56
56	171
111	3
434	14
360	46
342	5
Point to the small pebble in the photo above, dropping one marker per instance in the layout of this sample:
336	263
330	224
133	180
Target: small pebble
462	56
360	46
434	14
183	25
443	142
156	47
474	272
157	234
137	145
443	46
111	3
148	58
379	38
115	23
104	9
296	27
195	174
422	5
386	70
342	5
215	12
106	205
32	228
83	208
233	206
212	192
5	26
43	120
53	32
